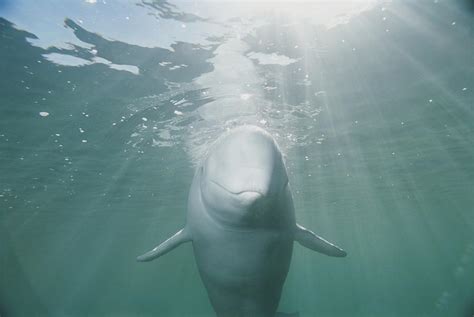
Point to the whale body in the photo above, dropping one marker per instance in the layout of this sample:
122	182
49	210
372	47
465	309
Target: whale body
242	226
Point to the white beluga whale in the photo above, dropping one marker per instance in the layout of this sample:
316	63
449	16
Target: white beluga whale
241	223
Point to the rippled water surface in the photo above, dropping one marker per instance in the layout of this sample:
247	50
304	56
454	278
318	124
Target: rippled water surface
106	108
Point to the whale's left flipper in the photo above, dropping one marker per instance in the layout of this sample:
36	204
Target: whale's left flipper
309	239
178	238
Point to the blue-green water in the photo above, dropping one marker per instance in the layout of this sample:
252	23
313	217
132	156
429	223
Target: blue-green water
107	106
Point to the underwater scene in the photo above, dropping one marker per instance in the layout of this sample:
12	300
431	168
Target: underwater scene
359	115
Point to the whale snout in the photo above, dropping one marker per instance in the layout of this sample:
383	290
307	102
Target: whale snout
246	197
249	197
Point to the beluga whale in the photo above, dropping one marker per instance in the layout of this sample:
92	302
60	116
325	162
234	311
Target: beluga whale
241	223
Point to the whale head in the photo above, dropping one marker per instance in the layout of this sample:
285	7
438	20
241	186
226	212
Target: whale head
242	175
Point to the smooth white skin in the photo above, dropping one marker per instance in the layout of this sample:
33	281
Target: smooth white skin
242	177
241	222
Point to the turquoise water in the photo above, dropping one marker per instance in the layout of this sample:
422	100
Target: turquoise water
106	108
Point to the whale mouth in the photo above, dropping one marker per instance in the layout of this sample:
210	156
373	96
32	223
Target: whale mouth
246	196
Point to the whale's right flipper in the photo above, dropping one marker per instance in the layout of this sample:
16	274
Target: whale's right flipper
178	238
309	239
